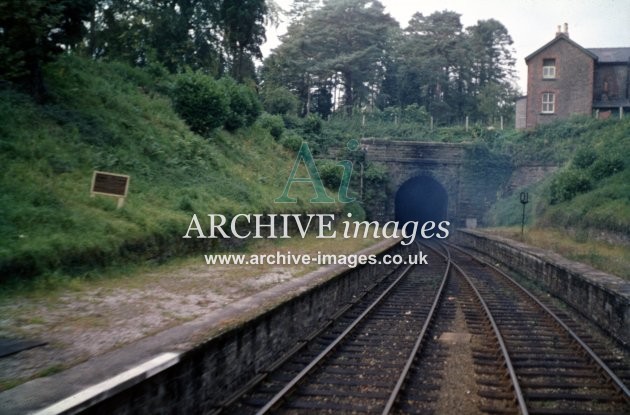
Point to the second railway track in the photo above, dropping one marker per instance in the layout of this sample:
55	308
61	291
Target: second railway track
556	371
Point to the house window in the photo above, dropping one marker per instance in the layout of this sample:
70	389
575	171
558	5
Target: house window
549	68
548	103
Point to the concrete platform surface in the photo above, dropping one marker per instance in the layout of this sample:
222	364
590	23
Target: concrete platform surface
89	381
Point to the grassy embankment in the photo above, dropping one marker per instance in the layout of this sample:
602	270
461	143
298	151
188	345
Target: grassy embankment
111	117
611	258
583	210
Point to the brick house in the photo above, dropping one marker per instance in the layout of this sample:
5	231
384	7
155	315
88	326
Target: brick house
563	79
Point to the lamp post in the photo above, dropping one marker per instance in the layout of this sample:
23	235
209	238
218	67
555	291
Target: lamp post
524	201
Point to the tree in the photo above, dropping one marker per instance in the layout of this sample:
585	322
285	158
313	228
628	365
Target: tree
292	67
491	52
491	69
339	46
433	55
279	100
350	40
33	32
351	50
184	34
451	71
208	35
243	27
301	8
322	102
177	34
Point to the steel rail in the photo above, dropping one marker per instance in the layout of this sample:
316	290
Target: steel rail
289	386
412	355
506	356
297	348
612	376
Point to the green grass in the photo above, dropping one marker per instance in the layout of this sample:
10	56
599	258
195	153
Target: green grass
50	370
601	202
6	384
111	117
585	223
610	258
606	207
557	142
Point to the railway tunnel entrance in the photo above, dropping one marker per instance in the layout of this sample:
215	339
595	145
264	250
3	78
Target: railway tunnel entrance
421	199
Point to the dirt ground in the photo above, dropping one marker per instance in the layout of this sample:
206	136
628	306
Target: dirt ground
94	317
458	394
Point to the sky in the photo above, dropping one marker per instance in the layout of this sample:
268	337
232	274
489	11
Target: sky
531	23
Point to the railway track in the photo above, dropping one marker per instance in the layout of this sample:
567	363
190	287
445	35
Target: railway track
385	354
361	359
555	370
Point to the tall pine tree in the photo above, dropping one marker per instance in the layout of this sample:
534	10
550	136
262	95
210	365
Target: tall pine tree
33	32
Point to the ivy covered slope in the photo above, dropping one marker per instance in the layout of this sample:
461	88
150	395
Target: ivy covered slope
111	117
591	191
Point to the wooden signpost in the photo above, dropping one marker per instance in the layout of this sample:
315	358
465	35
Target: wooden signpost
110	184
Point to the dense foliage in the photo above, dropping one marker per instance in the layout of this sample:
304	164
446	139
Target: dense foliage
353	53
120	123
217	37
243	104
34	32
201	101
338	56
592	188
214	36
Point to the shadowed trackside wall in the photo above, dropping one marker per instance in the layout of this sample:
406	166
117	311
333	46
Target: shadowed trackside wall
470	176
210	372
600	297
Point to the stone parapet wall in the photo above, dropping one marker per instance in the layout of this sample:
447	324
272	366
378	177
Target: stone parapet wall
600	297
471	176
207	374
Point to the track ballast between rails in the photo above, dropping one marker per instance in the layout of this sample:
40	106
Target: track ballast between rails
382	354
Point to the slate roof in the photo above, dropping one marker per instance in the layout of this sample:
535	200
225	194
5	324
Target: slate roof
561	36
610	55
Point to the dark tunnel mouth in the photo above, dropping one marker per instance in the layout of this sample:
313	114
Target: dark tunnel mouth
421	199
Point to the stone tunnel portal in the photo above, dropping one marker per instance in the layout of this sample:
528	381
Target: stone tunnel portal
421	199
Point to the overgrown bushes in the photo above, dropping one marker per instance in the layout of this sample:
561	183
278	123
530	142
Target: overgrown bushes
200	101
591	192
567	184
244	106
279	101
273	123
586	169
206	104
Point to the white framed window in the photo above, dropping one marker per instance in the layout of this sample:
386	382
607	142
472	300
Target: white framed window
549	68
548	103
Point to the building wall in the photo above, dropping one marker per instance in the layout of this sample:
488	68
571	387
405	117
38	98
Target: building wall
521	113
572	86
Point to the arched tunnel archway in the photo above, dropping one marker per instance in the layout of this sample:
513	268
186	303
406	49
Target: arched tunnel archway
421	199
